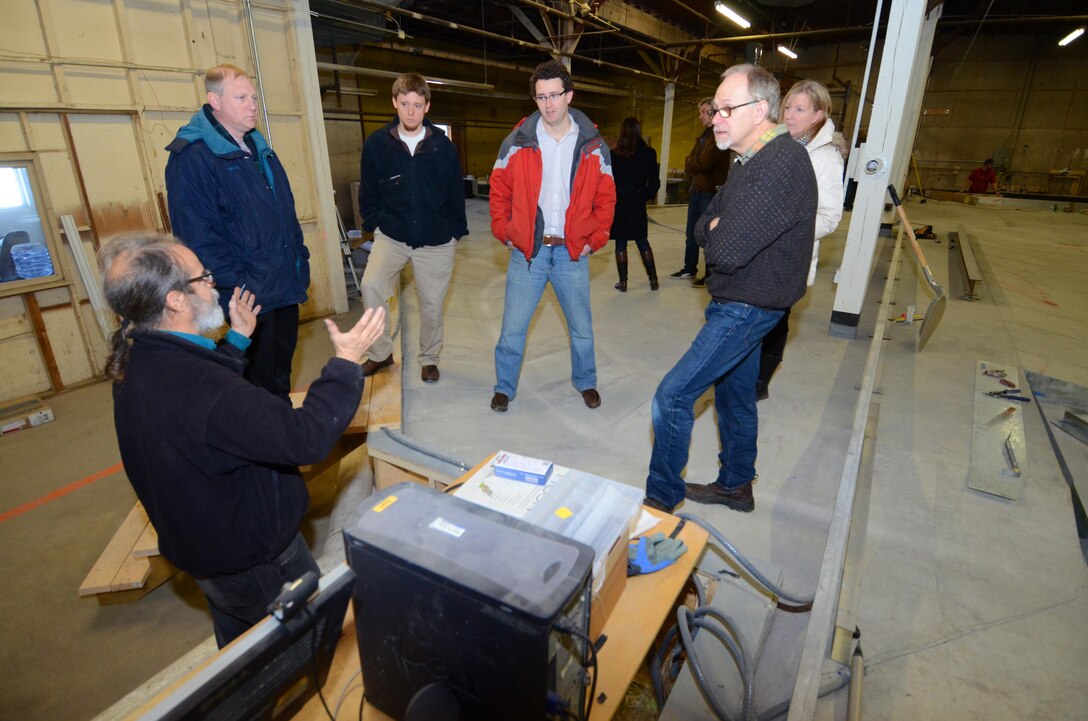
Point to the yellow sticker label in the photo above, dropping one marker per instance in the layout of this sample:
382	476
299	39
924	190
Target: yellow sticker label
385	504
564	512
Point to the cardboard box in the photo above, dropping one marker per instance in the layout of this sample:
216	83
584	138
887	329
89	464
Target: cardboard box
522	468
24	413
608	595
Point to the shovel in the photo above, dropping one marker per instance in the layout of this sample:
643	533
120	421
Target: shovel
936	306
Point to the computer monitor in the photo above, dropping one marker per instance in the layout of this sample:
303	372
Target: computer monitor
465	613
268	673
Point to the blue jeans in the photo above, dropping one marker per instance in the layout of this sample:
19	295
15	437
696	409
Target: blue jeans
725	354
239	600
697	205
524	286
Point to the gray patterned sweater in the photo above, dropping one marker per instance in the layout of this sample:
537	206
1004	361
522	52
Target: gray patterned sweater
759	252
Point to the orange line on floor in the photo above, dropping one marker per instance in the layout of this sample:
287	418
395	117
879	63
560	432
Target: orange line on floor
60	492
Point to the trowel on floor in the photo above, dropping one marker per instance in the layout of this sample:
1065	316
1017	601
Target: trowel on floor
936	306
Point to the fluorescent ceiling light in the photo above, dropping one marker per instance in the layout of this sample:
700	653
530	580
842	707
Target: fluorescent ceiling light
787	52
731	14
1071	37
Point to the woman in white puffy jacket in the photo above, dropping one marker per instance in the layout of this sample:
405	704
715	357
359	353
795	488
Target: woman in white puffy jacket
806	112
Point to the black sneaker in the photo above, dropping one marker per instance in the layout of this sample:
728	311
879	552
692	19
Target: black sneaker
656	504
682	274
738	499
699	282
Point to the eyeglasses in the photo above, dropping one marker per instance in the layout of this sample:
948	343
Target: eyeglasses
726	110
553	97
205	277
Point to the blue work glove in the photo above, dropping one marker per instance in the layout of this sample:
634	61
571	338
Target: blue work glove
649	554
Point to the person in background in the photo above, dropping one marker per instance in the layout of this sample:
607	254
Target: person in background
230	201
213	458
636	172
982	179
707	166
806	112
412	197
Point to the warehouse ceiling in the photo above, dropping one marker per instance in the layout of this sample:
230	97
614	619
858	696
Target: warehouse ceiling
685	41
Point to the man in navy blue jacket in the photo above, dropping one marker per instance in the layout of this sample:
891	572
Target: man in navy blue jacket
230	201
412	197
213	458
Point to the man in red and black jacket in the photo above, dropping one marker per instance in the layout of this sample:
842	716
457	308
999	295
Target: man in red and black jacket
552	199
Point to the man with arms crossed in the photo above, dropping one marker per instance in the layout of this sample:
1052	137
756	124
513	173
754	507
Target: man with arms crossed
757	234
552	198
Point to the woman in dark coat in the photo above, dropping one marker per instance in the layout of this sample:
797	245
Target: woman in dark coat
635	170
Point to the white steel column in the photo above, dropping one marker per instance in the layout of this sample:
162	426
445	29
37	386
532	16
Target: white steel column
908	41
666	141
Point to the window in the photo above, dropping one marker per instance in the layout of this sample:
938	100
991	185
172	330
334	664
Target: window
14	188
27	257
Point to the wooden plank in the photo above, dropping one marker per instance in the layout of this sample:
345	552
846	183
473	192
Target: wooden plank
385	398
133	573
117	552
148	543
161	572
42	336
952	197
387	474
358	422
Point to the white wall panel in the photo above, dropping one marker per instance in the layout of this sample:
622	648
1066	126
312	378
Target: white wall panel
112	174
154	33
145	57
12	139
84	28
97	87
27	83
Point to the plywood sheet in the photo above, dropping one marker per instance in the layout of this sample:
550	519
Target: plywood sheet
68	347
998	449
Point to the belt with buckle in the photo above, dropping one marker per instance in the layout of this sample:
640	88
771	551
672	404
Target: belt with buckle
553	240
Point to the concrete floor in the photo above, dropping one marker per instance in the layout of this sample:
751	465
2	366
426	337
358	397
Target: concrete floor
971	606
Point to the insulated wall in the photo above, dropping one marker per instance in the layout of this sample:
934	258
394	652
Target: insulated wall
93	92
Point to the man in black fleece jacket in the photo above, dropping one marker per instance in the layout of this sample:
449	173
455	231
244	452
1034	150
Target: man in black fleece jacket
757	235
213	458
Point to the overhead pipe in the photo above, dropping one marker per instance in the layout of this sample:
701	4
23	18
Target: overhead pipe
601	22
862	29
503	38
457	57
355	70
247	9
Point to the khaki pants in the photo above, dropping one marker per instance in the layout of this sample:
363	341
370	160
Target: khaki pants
432	266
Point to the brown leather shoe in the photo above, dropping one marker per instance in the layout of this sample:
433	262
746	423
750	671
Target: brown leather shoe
429	374
739	499
500	402
370	367
591	397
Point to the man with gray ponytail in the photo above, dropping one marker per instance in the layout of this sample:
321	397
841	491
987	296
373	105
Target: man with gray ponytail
213	458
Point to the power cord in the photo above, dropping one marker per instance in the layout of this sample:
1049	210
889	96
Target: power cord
314	633
592	662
